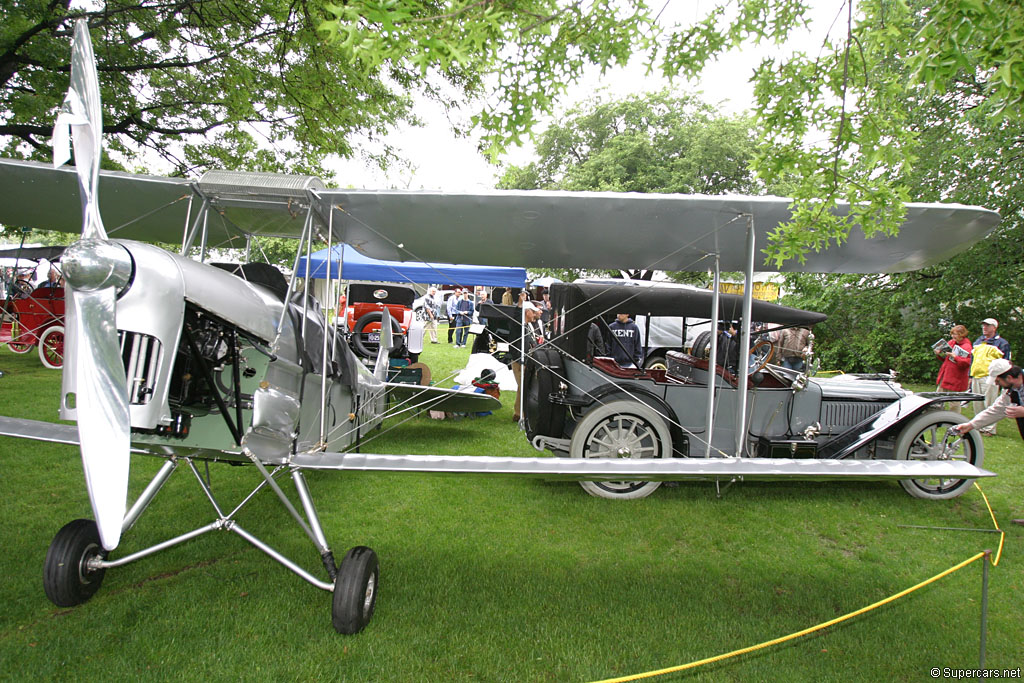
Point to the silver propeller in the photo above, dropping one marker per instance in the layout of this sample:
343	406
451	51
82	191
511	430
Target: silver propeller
94	270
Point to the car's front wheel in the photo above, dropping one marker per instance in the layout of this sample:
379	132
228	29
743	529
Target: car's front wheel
621	429
927	437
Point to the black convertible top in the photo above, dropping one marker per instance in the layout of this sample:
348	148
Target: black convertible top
592	300
576	305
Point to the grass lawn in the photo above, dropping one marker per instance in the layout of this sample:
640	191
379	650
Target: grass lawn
504	579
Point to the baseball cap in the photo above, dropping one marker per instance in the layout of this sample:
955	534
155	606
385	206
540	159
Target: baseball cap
998	367
528	306
990	321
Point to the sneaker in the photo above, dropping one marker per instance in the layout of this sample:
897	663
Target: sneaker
1019	522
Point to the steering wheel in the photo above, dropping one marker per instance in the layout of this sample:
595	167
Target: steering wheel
762	352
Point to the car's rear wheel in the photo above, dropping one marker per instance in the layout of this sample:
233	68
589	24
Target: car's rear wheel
926	437
621	429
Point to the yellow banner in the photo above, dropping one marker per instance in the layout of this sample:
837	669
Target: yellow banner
765	291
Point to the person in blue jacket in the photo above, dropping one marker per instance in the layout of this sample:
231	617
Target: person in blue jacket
625	346
464	310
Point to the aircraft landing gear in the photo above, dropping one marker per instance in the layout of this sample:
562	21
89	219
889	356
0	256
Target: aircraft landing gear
67	578
355	590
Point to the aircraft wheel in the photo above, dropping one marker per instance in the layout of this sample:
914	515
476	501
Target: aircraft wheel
656	363
355	590
67	579
51	347
621	429
924	438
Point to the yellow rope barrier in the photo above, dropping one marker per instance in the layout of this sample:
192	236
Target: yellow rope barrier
995	524
831	622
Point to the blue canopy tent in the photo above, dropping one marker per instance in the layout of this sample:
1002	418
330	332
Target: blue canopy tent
355	266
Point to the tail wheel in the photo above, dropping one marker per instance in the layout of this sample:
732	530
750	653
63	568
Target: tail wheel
621	429
927	437
51	347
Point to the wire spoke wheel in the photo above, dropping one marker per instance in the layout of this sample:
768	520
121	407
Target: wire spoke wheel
51	347
621	429
927	437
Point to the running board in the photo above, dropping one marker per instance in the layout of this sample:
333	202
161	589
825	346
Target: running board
615	469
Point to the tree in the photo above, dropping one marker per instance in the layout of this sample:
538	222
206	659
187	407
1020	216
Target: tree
657	142
962	154
238	83
278	85
853	93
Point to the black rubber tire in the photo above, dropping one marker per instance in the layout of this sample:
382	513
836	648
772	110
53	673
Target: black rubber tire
66	580
656	361
541	376
355	590
368	349
701	345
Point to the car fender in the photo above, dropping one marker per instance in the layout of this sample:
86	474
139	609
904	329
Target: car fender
613	392
887	422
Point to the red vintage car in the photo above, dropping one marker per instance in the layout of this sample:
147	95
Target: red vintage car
34	318
366	303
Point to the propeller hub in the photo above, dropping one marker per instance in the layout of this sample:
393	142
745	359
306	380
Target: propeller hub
89	265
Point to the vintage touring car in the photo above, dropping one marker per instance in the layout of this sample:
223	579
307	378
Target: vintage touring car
585	407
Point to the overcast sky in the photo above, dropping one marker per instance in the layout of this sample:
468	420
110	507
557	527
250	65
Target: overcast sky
440	161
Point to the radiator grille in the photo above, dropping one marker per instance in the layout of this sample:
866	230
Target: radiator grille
848	413
141	356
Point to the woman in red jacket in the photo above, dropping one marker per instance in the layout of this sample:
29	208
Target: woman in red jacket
956	365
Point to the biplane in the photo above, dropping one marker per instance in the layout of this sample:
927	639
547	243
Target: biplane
190	362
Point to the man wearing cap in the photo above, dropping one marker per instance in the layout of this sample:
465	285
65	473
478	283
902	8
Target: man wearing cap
431	310
1010	403
987	348
531	337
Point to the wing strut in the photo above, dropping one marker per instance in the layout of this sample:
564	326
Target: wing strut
748	296
715	292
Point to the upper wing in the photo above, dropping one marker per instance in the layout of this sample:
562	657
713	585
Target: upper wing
627	230
133	206
514	228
